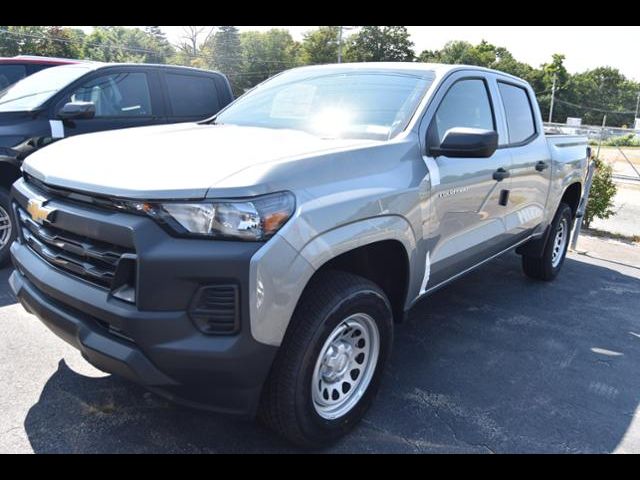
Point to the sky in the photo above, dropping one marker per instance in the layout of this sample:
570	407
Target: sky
584	47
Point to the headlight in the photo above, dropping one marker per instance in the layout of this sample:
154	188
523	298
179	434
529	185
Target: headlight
254	219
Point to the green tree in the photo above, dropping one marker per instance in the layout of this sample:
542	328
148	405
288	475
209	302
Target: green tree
223	52
320	46
603	190
267	53
601	91
380	44
46	41
125	44
156	40
485	55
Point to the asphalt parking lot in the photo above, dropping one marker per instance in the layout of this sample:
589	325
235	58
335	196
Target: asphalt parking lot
492	363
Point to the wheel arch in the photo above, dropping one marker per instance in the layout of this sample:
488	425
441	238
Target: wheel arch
280	274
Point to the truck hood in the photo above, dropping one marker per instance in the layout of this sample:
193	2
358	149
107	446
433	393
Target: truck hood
170	161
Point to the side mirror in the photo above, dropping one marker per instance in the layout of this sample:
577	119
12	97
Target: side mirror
467	142
77	110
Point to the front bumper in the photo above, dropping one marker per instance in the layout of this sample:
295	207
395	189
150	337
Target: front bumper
162	349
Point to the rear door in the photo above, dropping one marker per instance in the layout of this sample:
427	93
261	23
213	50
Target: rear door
531	165
466	216
124	97
191	96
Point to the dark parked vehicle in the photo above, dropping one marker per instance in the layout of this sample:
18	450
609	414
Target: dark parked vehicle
91	97
13	69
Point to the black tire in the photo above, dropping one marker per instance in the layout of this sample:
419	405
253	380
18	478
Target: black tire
5	209
287	404
543	268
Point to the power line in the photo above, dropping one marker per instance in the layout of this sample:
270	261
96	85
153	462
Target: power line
602	110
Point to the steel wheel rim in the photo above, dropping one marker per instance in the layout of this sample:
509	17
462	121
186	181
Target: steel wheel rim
349	356
5	227
559	242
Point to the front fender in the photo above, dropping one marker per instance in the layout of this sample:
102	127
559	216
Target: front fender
279	273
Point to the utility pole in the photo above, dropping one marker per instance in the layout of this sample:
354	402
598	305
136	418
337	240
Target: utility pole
637	105
553	96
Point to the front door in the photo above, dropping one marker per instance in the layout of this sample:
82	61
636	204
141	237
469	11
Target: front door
466	216
122	98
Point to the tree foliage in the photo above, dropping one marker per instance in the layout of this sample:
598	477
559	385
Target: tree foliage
380	44
223	52
588	95
603	190
267	53
45	41
320	46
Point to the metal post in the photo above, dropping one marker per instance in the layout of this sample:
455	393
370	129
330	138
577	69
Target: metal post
604	122
340	45
637	105
553	97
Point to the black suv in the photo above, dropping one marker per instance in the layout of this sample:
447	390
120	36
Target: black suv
89	97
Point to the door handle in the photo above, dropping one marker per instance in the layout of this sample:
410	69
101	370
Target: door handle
541	166
500	174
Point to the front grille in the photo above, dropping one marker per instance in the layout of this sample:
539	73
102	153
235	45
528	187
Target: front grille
92	260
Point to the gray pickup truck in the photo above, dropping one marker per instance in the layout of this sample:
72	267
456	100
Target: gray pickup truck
257	262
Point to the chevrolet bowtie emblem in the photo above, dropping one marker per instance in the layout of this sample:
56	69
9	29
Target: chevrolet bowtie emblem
38	211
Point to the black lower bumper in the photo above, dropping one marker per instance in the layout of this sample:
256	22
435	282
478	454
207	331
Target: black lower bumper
165	353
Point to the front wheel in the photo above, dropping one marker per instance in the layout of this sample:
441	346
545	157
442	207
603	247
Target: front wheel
7	229
330	363
547	266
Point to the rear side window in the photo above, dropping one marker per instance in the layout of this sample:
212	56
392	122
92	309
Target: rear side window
192	95
466	104
517	106
11	74
123	94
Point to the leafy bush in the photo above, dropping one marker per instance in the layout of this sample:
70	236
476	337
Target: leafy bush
603	190
629	140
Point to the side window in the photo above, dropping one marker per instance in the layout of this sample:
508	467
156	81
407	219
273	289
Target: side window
192	95
517	106
123	94
466	104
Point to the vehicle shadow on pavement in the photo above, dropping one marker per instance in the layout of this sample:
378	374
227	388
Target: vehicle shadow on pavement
495	362
6	297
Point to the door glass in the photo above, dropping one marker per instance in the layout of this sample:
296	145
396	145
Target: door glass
466	104
192	95
518	111
123	94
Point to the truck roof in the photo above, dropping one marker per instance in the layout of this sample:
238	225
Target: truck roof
93	65
438	68
38	60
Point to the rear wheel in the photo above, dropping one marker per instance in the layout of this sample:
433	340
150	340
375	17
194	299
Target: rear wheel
7	229
549	264
329	365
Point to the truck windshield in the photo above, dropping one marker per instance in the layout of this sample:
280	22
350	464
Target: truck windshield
31	92
372	105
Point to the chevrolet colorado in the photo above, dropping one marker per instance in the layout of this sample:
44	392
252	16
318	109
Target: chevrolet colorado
256	262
